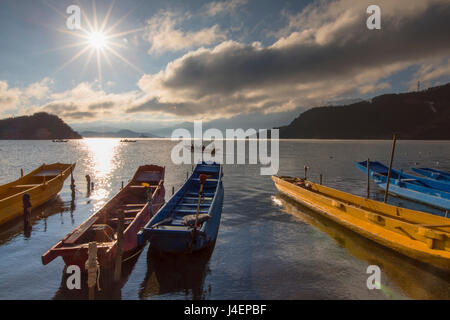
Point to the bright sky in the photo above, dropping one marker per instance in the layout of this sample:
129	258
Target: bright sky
238	63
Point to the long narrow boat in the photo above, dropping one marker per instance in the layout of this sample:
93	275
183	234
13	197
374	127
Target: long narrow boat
173	229
416	234
433	174
139	200
407	186
41	185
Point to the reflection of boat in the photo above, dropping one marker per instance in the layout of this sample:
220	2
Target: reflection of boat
168	273
419	235
190	220
13	228
60	140
139	200
41	185
419	189
416	279
433	174
110	290
126	140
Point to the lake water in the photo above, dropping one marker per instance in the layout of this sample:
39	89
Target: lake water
267	248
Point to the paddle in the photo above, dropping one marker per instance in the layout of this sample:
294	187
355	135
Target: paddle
202	178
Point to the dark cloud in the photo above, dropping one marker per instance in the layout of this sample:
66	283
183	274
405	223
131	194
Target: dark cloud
329	53
101	105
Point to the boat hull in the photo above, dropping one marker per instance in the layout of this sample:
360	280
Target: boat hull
11	206
385	224
416	192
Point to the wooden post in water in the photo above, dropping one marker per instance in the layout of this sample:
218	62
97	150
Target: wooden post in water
446	213
173	190
21	173
368	178
92	268
306	169
390	169
320	179
119	248
88	182
122	186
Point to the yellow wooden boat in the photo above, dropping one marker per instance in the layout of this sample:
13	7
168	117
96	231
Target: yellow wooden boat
41	184
419	235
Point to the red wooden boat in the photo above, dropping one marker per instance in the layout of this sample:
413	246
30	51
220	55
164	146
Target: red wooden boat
138	207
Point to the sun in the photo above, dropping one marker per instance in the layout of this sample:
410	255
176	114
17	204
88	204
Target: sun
97	40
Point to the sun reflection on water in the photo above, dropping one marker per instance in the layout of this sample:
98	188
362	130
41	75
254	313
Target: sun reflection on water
102	161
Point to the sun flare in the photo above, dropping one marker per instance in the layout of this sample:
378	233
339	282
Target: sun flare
97	40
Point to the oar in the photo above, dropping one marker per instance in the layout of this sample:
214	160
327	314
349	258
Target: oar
202	178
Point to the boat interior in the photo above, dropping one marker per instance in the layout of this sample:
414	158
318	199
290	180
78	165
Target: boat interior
102	227
400	214
185	203
32	180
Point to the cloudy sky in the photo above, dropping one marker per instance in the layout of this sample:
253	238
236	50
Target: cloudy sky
236	63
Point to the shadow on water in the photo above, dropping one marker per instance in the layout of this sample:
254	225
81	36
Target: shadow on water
15	227
418	280
170	273
108	289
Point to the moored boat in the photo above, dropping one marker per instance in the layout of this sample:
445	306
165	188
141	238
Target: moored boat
190	220
419	235
433	174
139	200
41	185
408	186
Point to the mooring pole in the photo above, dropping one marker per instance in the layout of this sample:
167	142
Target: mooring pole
88	182
320	179
306	169
92	268
21	173
368	178
446	213
118	262
390	169
26	202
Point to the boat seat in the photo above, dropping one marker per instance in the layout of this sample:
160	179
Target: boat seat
193	205
205	194
127	220
185	211
143	187
27	185
133	205
132	211
196	198
210	180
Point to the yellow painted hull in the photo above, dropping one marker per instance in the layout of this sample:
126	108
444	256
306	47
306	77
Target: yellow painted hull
41	184
419	235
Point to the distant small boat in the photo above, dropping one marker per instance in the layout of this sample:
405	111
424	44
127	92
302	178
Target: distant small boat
408	186
190	220
433	174
139	199
419	235
126	140
60	140
41	185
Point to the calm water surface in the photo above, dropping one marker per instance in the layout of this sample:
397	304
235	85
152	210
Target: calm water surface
267	248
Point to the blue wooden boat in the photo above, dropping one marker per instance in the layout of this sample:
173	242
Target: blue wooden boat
177	227
406	186
433	174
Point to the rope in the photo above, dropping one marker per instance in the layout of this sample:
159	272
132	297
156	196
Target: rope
134	255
